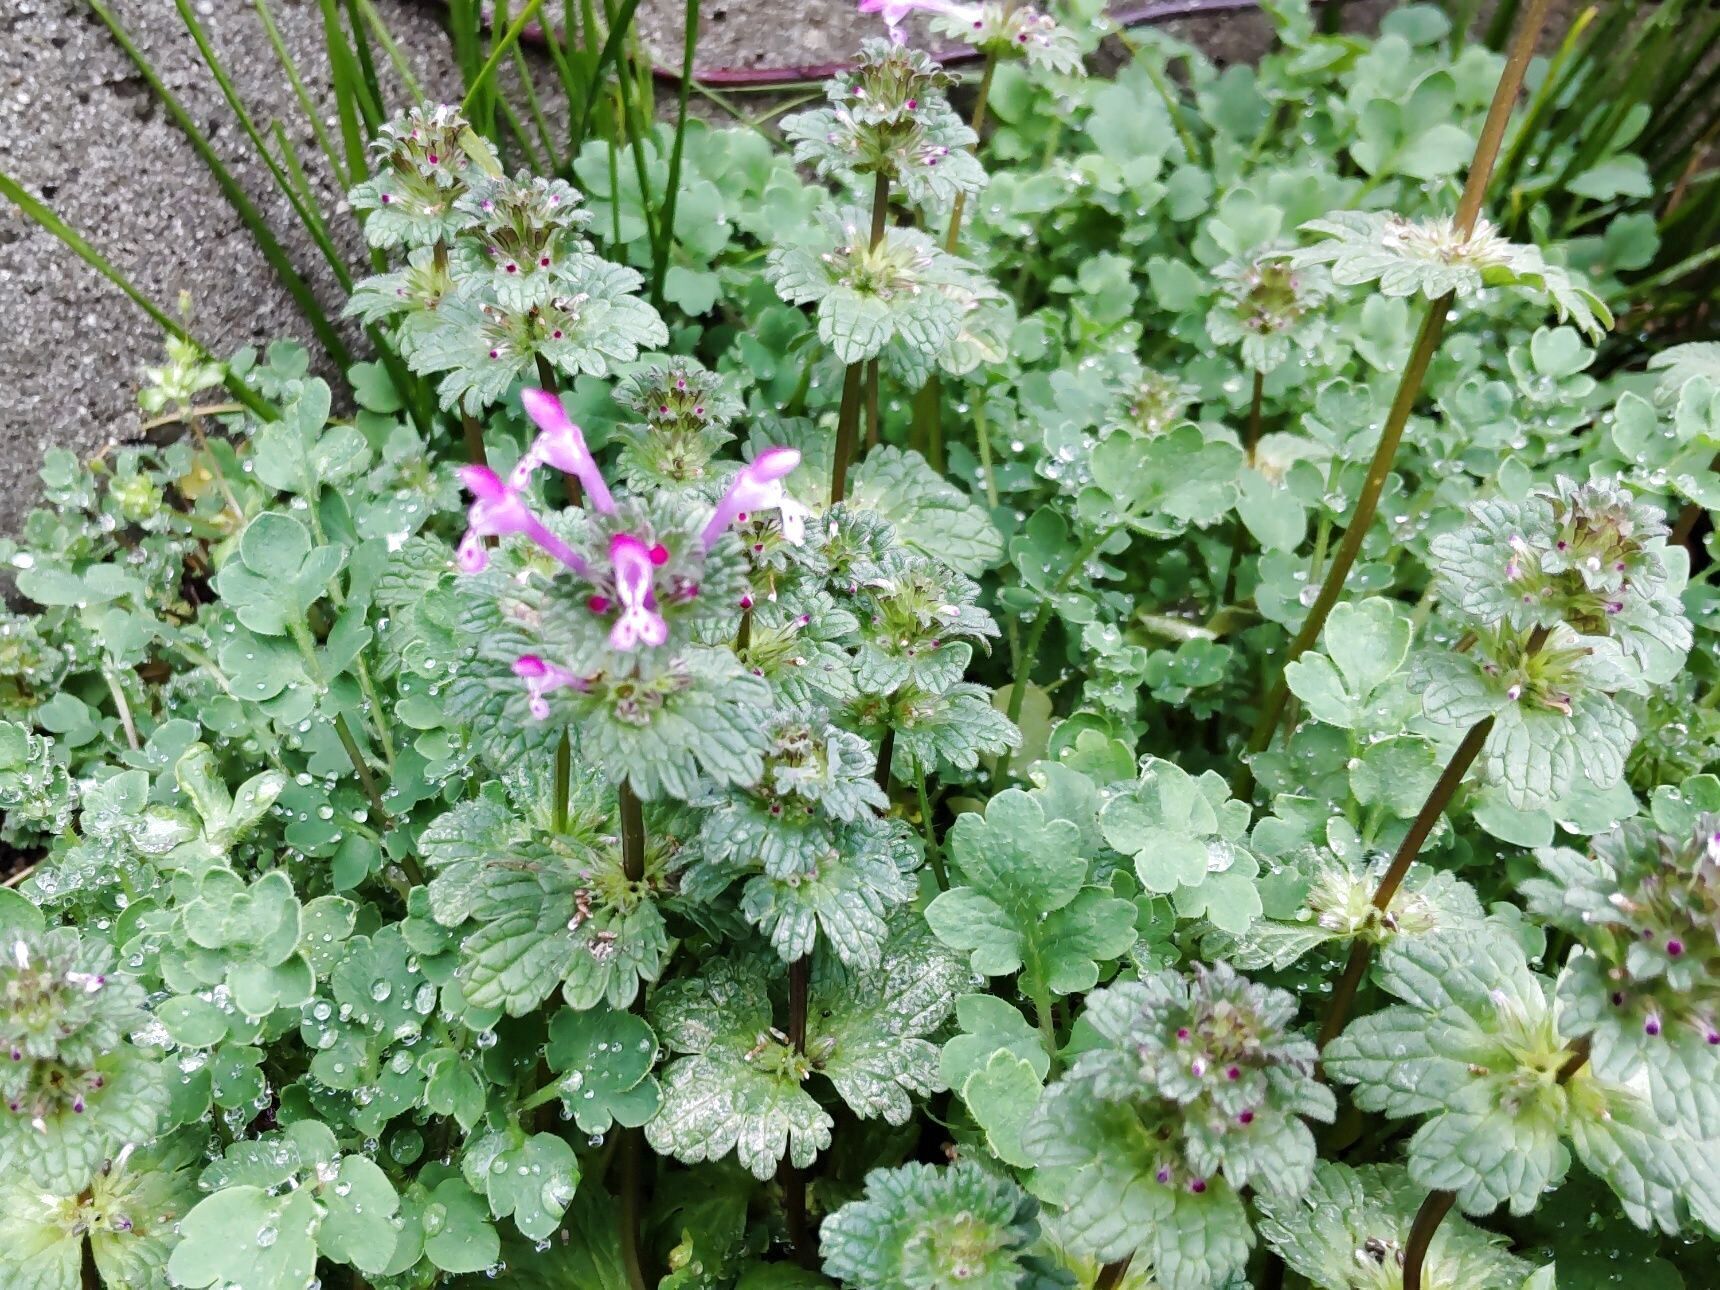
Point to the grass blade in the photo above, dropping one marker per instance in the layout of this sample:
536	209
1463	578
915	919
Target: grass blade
308	215
666	226
391	47
610	52
500	48
260	231
348	91
366	68
40	214
285	58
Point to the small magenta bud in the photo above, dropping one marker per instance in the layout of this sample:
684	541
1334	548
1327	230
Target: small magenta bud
746	602
1164	1174
597	604
1246	1118
1197	1185
1651	1026
659	555
1233	1073
1182	1032
78	1105
1197	1068
543	262
1714	1036
1618	998
1675	947
386	199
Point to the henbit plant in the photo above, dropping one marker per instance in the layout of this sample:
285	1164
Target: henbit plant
758	859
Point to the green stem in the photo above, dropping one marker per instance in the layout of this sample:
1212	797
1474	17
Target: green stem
872	430
880	207
1254	415
384	731
983	434
953	237
632	1169
545	1095
793	1181
563	782
1438	1204
121	707
1361	519
1025	660
886	755
632	813
1361	951
934	853
1414	373
474	436
362	769
1427	1220
89	1275
632	832
307	650
847	430
1047	1020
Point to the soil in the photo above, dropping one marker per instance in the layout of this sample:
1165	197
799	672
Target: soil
80	129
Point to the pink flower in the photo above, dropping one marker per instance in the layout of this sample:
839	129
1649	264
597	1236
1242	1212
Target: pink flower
498	510
543	679
895	12
562	445
758	487
639	622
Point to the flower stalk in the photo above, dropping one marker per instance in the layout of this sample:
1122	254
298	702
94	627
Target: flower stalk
1361	951
853	382
632	813
1438	1204
793	1180
1426	345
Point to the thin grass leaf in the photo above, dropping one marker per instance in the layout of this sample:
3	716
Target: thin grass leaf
45	216
517	128
308	214
689	51
545	135
259	229
373	97
610	52
312	115
390	46
568	71
500	49
348	90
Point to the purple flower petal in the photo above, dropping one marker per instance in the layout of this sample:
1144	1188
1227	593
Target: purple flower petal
498	510
758	487
562	445
543	679
639	622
